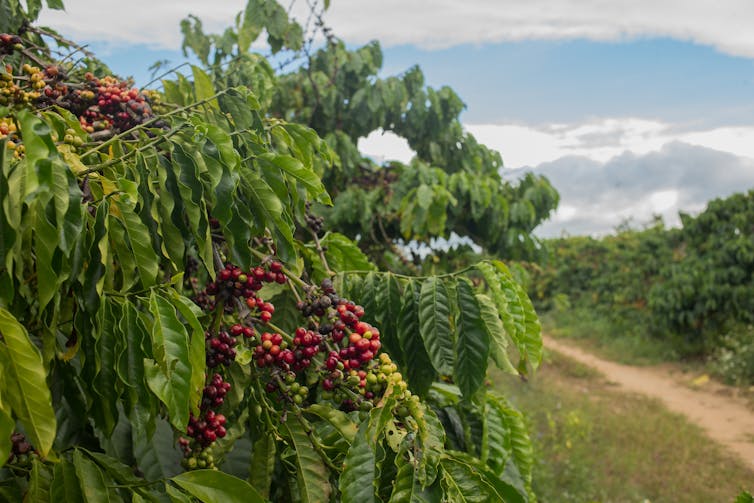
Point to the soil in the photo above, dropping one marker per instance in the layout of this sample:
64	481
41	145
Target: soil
725	417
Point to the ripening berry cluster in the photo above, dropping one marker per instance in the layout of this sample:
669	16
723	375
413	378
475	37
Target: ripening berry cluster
219	348
10	43
233	289
21	451
204	430
8	130
233	282
353	374
110	103
104	104
21	89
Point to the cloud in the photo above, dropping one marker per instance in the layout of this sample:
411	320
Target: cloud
385	146
613	170
724	24
148	22
597	196
602	139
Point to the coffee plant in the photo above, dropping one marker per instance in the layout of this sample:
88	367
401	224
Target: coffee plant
179	321
690	286
453	184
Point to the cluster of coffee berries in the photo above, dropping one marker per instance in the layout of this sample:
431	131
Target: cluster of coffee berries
8	131
110	103
204	430
235	290
314	222
289	387
233	282
219	348
273	350
363	344
10	43
214	392
21	450
106	103
23	89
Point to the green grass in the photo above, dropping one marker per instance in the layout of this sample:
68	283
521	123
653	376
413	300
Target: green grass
621	342
597	444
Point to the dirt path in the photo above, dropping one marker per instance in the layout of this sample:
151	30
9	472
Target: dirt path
726	419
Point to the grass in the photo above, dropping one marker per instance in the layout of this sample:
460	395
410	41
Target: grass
621	342
597	444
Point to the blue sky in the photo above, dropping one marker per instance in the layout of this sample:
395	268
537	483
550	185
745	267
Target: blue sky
649	105
566	81
555	81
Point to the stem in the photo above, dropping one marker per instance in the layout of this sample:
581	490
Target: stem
62	40
34	58
159	77
321	253
128	154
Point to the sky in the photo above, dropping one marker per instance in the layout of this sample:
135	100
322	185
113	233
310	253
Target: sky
632	108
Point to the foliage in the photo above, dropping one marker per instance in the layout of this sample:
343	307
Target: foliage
689	286
175	325
452	185
734	358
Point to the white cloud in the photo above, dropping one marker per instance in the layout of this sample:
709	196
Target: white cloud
724	24
385	146
597	196
603	139
149	22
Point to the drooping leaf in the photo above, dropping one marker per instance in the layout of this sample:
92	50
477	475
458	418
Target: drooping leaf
467	480
262	464
344	255
197	357
337	418
203	87
25	383
434	324
431	438
213	486
91	479
169	375
311	472
359	470
7	426
496	332
518	441
407	487
65	483
40	479
140	242
472	341
388	311
419	370
296	169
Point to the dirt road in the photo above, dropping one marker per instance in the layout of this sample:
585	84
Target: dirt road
726	419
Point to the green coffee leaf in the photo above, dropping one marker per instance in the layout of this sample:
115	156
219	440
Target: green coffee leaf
169	375
25	383
472	341
311	472
212	486
434	324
